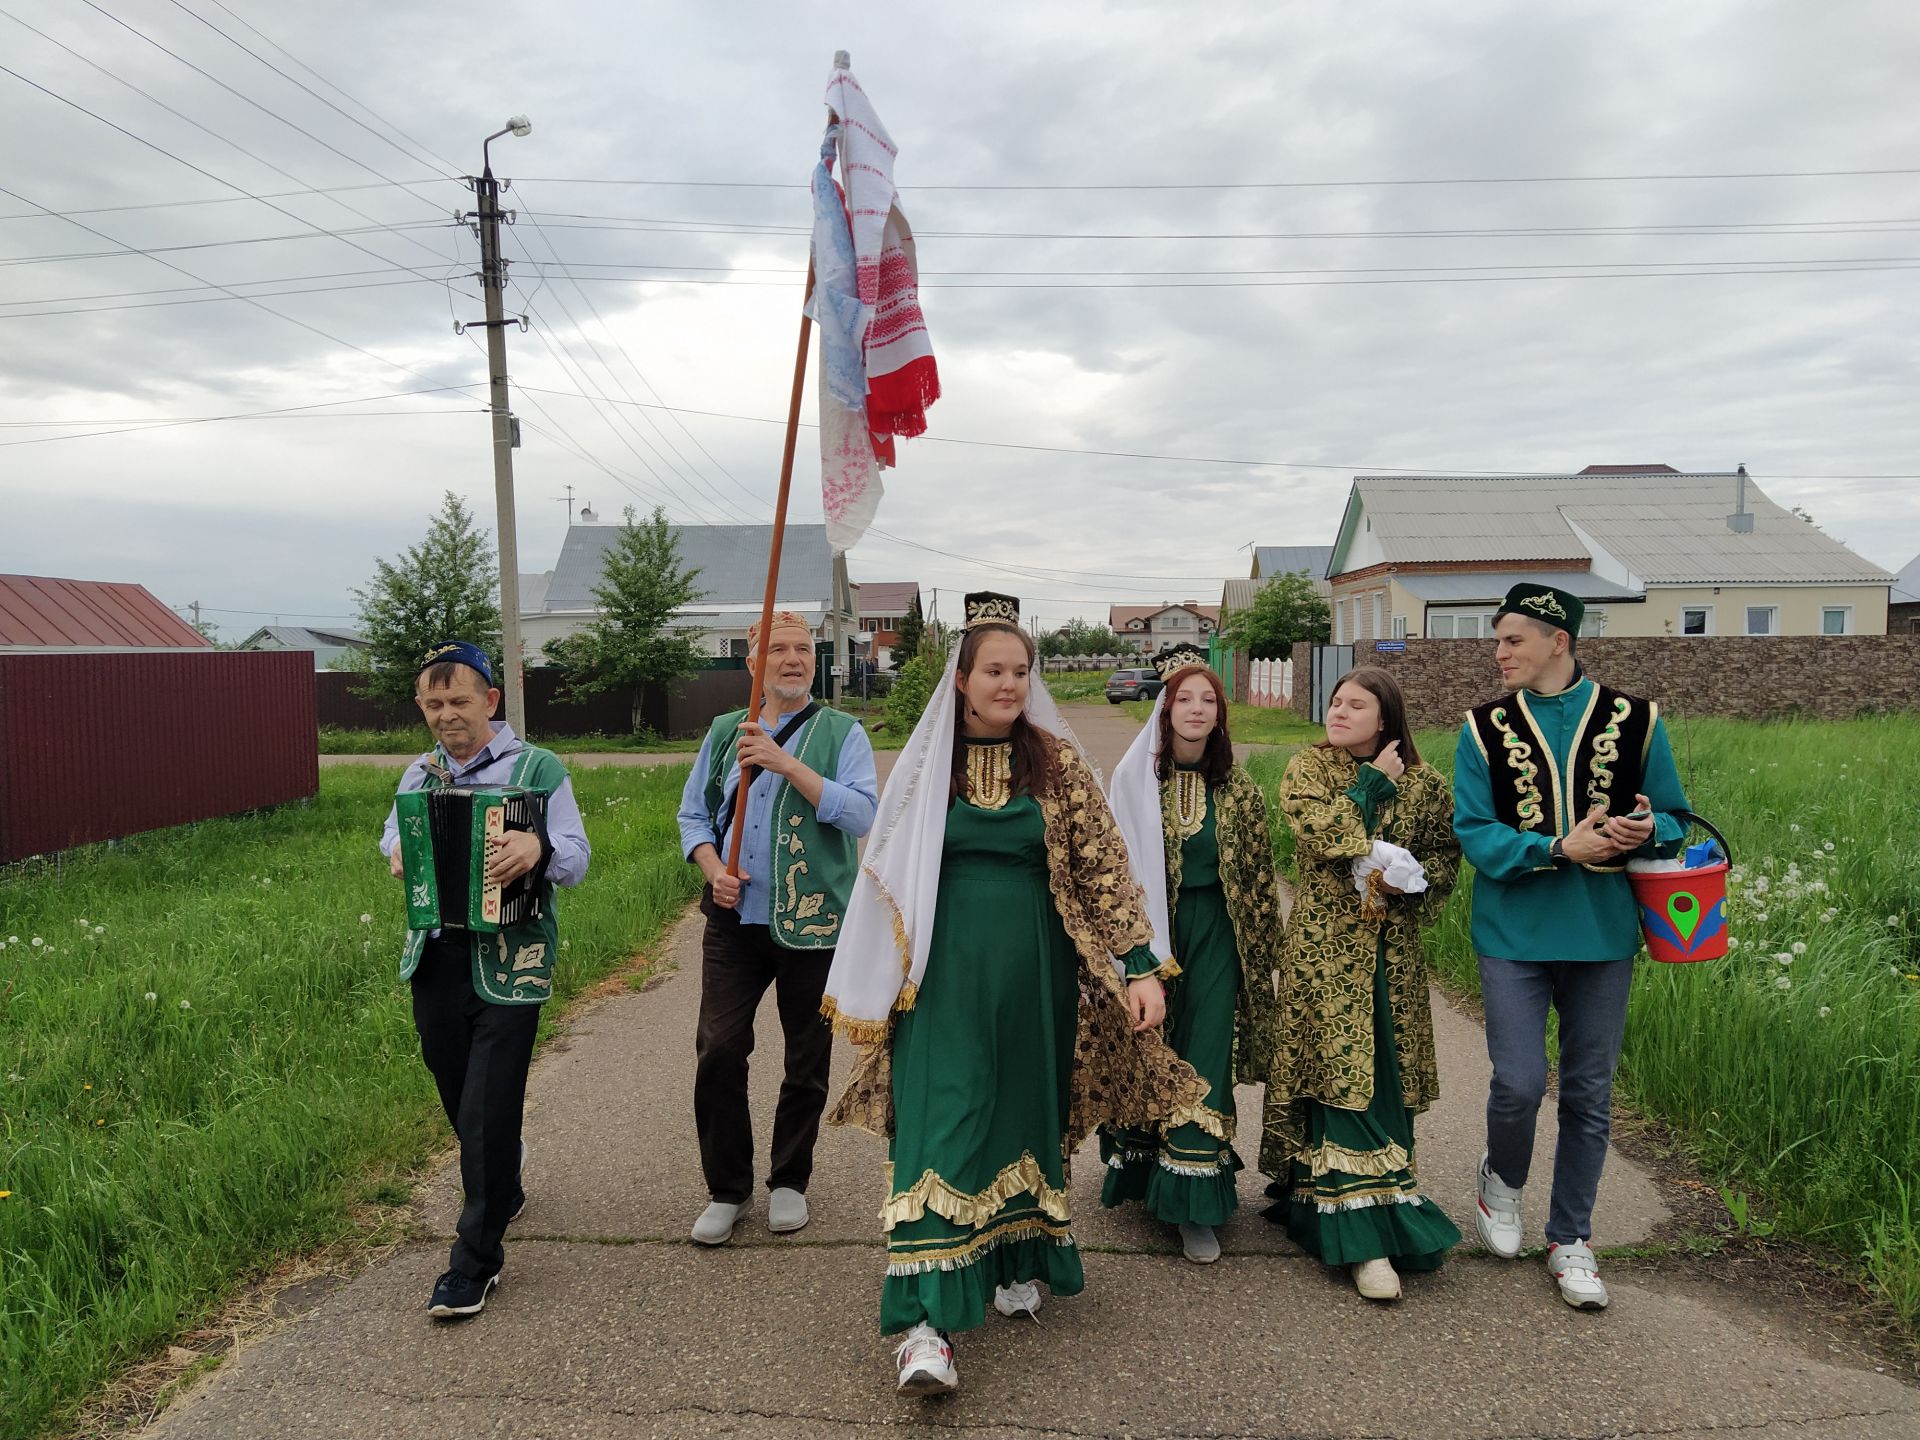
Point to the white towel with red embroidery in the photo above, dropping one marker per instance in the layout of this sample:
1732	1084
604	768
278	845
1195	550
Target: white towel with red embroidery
900	376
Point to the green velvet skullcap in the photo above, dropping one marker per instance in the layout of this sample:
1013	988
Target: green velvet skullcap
1547	604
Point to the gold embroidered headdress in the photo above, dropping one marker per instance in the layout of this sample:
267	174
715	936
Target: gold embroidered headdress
988	607
1179	657
782	620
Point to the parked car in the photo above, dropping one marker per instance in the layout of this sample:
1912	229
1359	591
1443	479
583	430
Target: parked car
1132	685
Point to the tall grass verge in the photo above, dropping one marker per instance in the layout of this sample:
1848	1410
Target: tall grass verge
1792	1068
207	1058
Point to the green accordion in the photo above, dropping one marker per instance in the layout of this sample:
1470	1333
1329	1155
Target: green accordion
445	835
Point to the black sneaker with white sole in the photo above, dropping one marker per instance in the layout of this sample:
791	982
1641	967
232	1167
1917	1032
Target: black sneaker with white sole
457	1296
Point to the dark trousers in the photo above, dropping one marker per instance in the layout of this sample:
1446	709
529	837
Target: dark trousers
478	1054
1591	998
737	964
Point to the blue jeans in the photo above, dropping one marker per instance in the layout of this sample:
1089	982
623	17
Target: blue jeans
1591	998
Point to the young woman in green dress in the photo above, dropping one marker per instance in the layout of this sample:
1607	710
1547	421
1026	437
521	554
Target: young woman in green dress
1196	831
1352	1043
995	971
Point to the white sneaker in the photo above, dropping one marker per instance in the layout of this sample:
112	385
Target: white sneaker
926	1363
1578	1274
1377	1280
1199	1244
1020	1298
787	1211
1497	1216
716	1222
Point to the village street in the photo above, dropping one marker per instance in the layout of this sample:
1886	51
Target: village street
609	1323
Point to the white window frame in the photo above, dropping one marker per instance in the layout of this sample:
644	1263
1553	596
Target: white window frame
1399	627
1706	614
1434	617
1845	612
1772	612
1594	621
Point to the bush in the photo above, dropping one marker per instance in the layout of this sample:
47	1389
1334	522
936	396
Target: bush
912	688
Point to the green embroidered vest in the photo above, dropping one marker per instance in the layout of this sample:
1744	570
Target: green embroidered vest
515	966
1606	766
813	863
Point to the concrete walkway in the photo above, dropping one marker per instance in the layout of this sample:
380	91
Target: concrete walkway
608	1323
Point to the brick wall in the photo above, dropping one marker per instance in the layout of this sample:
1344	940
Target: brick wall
1738	676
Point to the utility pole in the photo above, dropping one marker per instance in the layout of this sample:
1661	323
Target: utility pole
566	500
493	280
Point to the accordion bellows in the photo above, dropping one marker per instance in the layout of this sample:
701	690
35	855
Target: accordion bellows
444	838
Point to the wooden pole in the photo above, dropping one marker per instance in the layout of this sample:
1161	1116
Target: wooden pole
756	693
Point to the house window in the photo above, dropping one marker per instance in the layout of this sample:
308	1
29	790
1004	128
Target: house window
1175	622
1343	623
1696	620
734	649
1379	614
1836	620
1399	627
1763	620
1594	622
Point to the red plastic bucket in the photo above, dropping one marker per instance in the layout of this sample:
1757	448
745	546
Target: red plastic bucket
1683	913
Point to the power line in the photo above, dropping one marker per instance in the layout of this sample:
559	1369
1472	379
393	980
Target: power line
129	427
238	199
1255	184
218	299
120	251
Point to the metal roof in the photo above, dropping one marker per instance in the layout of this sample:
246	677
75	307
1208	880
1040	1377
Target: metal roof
885	597
1469	587
1666	529
731	559
1238	594
1272	560
1906	585
42	612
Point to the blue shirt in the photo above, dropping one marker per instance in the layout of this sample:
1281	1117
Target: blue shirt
847	802
1524	906
493	765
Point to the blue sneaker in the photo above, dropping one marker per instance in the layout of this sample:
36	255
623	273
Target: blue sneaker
457	1296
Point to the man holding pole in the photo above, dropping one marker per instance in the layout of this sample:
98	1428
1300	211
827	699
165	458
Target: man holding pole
773	916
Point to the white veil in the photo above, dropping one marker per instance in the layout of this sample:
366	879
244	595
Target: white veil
1134	796
882	954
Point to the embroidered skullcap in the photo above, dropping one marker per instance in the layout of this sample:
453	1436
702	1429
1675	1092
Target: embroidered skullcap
1179	657
988	607
459	652
1546	603
782	620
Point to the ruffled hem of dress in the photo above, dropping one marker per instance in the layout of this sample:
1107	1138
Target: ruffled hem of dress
931	1193
955	1296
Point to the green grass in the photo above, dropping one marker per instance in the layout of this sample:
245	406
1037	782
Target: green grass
1804	1094
210	1071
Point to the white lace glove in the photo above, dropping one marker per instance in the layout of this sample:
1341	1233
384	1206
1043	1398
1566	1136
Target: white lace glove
1397	868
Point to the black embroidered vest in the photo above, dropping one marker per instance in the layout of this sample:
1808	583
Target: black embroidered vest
1607	765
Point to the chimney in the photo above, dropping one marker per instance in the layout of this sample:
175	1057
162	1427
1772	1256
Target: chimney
1741	521
587	517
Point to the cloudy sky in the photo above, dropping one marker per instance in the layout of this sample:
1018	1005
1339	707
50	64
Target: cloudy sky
1432	231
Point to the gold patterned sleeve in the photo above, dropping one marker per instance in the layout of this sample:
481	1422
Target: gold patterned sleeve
1254	840
1097	858
1431	839
1326	823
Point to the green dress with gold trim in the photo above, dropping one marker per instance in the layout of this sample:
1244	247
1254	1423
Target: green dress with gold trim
982	1077
1353	1054
1185	1174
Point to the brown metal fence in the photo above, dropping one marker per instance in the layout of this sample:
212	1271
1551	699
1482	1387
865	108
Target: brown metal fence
96	746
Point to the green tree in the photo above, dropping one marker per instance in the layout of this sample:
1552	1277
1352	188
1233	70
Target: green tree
1082	638
444	588
629	644
913	629
1285	611
1052	644
912	688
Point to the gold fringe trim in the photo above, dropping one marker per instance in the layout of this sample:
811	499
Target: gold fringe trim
930	1192
1328	1157
1212	1121
860	1032
961	1256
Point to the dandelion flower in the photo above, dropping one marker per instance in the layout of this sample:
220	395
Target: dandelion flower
87	1086
1893	920
99	1122
186	1005
1827	845
151	997
1760	915
1825	1011
83	922
266	880
365	919
13	939
99	929
1794	828
1799	947
1733	942
1783	983
38	942
6	1194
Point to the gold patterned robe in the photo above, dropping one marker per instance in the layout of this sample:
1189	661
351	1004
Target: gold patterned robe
1321	1041
1119	1075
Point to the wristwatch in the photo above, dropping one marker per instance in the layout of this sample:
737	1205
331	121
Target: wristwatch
1557	852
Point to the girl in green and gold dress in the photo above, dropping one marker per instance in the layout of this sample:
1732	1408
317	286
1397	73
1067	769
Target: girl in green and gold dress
996	974
1352	1040
1196	831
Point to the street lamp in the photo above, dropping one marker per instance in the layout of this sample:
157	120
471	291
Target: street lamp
517	126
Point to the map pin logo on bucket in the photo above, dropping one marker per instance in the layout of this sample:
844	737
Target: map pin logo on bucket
1683	913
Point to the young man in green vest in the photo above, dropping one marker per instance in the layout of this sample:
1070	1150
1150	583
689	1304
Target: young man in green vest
477	994
1557	784
811	798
